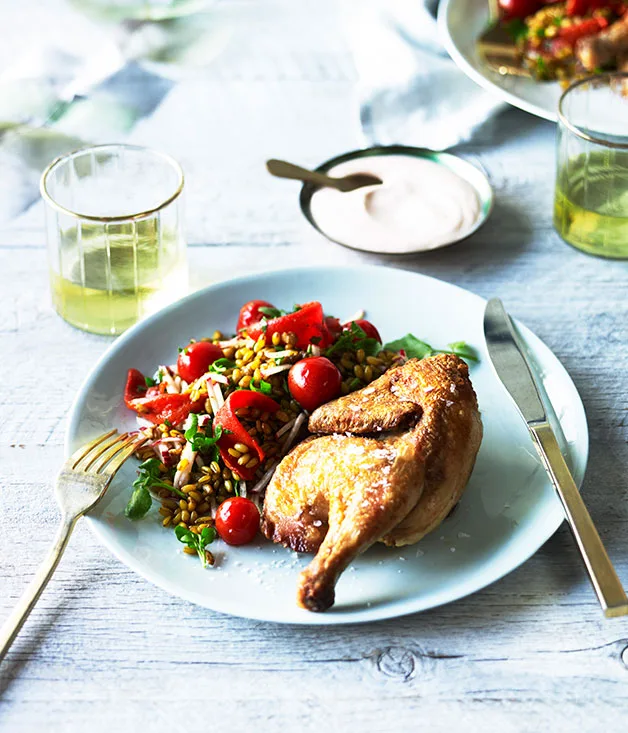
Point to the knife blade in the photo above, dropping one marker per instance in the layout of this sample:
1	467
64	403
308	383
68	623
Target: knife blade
507	355
512	367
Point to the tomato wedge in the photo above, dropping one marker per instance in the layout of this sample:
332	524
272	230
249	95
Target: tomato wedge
307	323
226	417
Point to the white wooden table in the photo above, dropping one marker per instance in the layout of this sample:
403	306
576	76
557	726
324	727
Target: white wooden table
106	651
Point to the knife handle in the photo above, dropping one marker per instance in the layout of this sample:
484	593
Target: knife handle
606	584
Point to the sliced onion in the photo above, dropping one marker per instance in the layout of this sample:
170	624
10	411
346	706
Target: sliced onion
276	369
280	354
285	428
217	377
181	476
265	480
357	316
220	400
300	419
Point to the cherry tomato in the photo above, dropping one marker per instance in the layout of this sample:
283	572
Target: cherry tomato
237	520
368	328
314	381
250	313
195	359
520	8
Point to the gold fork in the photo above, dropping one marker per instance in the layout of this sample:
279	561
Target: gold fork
81	483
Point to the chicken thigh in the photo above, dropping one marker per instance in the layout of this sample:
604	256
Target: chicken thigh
395	460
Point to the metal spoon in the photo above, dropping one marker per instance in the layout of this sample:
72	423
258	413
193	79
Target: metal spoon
282	169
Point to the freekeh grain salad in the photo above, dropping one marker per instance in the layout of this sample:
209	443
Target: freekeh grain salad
218	421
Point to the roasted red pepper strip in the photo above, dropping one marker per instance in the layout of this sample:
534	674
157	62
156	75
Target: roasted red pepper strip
307	323
582	7
135	386
577	7
226	417
588	27
173	408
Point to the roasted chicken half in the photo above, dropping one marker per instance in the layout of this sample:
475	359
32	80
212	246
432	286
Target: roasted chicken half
391	463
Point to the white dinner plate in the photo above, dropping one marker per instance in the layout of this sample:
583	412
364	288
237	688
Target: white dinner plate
460	23
506	513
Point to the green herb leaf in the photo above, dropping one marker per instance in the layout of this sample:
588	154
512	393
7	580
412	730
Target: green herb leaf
195	541
221	365
150	382
271	312
463	350
353	339
148	477
414	347
541	67
516	29
203	441
264	387
139	503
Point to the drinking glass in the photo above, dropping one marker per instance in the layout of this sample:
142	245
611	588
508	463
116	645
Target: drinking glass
591	199
115	237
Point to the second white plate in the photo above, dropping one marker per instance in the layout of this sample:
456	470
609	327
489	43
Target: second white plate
460	23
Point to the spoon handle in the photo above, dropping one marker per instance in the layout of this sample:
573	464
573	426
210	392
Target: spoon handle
283	169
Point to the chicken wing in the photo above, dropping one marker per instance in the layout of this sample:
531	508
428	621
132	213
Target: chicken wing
395	460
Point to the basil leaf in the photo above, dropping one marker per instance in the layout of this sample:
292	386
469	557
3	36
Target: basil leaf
139	503
414	347
464	351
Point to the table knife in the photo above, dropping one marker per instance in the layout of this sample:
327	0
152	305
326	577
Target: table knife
514	370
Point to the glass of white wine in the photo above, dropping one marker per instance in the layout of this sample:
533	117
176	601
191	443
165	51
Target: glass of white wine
115	235
591	200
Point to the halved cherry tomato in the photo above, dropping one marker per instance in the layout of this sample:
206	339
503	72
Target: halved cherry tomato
195	359
307	323
314	381
250	313
227	418
135	386
237	520
368	328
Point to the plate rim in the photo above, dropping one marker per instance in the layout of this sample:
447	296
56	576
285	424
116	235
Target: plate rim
484	81
363	615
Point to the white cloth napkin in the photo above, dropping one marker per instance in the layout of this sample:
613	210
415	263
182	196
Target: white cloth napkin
411	91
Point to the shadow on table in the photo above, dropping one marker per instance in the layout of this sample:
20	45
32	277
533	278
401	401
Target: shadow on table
28	647
504	238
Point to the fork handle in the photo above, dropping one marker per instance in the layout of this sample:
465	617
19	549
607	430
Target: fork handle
27	602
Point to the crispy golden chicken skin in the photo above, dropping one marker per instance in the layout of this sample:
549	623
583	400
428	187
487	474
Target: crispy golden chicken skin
395	460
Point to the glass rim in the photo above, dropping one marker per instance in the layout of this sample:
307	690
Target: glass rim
574	128
51	167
